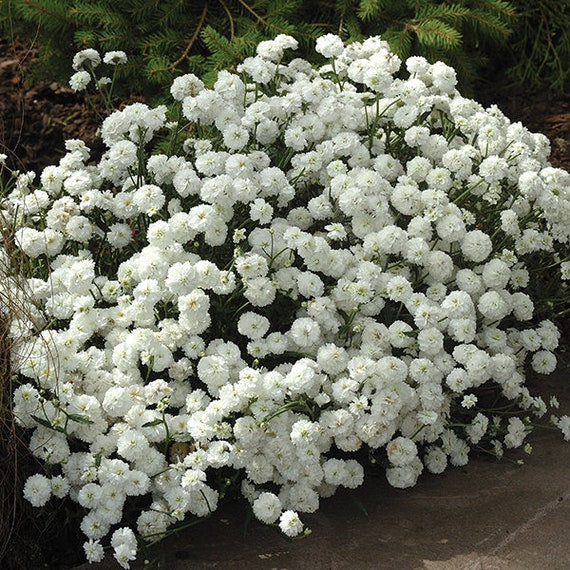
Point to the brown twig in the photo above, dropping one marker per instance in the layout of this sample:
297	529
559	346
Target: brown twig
230	18
193	39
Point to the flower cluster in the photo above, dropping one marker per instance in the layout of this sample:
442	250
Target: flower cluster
276	274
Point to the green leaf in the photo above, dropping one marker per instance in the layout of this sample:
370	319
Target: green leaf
45	423
80	418
153	423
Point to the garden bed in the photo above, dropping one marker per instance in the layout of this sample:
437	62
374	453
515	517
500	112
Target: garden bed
39	119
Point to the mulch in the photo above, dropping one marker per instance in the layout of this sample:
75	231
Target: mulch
36	120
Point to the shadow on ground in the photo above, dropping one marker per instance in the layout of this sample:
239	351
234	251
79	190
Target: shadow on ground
487	515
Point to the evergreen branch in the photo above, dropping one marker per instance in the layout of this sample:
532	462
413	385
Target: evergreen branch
98	15
400	41
194	37
490	23
261	20
43	10
369	9
143	8
230	19
167	12
503	7
435	33
453	13
216	42
157	65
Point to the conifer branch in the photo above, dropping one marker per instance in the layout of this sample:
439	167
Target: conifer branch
230	19
261	20
463	33
194	37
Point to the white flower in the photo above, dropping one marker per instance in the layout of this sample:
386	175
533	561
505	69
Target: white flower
148	199
329	45
563	424
290	524
251	266
115	57
544	362
214	371
565	270
496	274
193	479
267	508
468	401
87	57
476	246
305	332
261	211
273	49
523	307
37	490
477	428
132	445
302	377
124	554
310	284
94	551
430	341
186	86
399	289
493	306
435	460
516	433
235	137
60	486
443	77
405	476
79	80
253	325
439	265
259	69
401	451
260	291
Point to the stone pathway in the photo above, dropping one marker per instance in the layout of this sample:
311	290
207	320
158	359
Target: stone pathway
487	515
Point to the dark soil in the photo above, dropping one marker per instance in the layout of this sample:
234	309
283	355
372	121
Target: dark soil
540	111
35	120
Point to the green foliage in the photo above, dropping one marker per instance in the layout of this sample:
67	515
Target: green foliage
460	32
540	50
165	38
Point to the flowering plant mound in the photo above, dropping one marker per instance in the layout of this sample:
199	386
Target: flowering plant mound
275	277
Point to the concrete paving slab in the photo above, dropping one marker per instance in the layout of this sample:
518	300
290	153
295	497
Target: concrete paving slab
487	515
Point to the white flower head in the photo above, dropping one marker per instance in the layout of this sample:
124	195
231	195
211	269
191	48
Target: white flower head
186	86
290	523
37	490
329	45
267	508
79	80
116	57
86	58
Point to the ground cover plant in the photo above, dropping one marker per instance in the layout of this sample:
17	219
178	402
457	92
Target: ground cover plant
269	283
